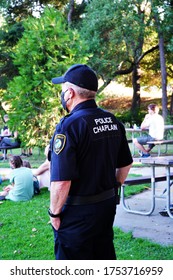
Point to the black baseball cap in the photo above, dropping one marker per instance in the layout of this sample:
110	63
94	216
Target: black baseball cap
80	75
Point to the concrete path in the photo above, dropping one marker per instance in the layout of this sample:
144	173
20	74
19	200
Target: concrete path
155	227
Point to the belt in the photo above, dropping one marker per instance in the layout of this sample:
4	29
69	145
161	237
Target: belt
82	200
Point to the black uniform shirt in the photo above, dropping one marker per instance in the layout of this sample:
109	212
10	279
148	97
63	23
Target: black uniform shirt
87	147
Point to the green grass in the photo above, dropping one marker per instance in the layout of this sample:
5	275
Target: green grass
25	231
130	248
131	190
26	234
35	160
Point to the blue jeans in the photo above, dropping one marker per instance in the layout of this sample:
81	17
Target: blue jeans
11	142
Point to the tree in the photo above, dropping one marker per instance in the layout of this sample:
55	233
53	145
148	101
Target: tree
17	10
8	39
46	49
121	34
14	12
117	32
158	11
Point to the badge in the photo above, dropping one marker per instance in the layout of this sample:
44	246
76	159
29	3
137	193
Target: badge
59	143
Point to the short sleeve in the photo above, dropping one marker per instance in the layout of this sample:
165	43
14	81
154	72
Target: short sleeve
63	157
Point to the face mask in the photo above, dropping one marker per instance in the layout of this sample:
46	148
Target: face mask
63	102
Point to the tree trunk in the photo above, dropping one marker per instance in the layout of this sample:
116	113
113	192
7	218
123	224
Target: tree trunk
163	68
136	74
164	77
71	4
171	105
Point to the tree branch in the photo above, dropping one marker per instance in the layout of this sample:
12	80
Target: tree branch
116	73
147	52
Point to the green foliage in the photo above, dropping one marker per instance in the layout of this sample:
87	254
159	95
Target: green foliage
131	119
123	35
17	10
46	49
9	36
117	34
115	31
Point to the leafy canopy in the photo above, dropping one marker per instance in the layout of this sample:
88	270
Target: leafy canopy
46	49
116	32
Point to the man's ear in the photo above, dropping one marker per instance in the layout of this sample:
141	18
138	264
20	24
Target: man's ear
72	92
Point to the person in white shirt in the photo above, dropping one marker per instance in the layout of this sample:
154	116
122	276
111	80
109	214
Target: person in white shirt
155	123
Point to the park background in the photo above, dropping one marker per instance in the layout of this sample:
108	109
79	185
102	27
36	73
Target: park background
128	43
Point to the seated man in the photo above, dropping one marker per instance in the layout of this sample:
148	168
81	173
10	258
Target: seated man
11	142
155	123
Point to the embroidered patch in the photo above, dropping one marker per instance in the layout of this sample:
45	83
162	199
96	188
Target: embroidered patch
59	143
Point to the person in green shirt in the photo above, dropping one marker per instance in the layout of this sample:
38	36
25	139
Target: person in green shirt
21	182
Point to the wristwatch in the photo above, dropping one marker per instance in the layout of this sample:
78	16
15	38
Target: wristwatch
53	215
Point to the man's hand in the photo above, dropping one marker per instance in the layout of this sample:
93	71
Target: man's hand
55	222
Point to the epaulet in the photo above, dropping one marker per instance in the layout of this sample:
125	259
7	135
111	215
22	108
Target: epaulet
63	119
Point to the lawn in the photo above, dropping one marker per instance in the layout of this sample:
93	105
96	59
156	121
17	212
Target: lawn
25	230
26	234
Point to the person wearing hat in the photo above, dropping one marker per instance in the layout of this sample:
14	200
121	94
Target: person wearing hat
90	159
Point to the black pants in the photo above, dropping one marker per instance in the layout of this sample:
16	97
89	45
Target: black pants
86	232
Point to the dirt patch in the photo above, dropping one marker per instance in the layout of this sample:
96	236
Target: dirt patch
124	103
116	103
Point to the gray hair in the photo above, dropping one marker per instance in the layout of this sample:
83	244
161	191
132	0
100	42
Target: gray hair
82	92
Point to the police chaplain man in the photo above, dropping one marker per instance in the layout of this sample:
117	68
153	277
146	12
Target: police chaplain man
90	158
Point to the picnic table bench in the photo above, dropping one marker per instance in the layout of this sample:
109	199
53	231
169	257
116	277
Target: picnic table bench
143	180
159	143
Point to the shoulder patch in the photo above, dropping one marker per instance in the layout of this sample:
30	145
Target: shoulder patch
59	143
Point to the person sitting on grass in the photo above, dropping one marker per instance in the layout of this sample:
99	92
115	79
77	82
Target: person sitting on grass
36	184
21	182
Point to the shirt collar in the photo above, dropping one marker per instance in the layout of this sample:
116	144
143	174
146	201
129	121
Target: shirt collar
84	105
